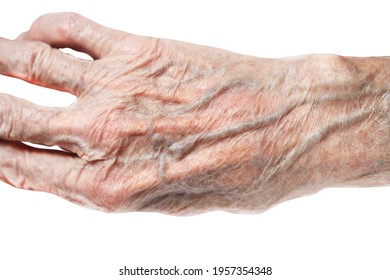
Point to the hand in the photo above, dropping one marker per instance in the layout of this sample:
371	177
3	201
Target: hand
161	125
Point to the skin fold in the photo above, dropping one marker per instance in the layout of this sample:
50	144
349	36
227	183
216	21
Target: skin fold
166	126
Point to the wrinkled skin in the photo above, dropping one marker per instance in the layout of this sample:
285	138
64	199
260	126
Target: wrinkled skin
166	126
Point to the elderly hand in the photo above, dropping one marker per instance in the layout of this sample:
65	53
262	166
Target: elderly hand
161	125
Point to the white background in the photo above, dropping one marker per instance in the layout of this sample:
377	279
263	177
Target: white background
335	234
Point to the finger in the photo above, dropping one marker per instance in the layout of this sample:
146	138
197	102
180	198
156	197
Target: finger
40	64
21	120
74	31
36	169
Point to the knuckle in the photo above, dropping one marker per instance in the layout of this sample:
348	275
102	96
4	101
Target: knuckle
104	135
68	23
57	121
331	68
110	197
7	115
96	183
3	121
334	64
332	59
40	20
63	22
325	62
34	55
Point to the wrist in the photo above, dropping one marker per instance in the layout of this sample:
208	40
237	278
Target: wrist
284	128
345	136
